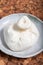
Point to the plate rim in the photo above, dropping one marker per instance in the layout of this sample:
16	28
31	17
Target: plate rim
22	13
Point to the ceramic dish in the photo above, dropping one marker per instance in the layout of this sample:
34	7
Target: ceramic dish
35	49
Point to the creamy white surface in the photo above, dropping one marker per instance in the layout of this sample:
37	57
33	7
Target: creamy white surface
24	22
17	40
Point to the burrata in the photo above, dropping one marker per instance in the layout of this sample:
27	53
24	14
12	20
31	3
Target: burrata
21	35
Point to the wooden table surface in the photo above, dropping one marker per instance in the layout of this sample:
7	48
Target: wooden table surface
34	7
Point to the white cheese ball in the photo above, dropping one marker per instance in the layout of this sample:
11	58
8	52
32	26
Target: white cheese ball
18	40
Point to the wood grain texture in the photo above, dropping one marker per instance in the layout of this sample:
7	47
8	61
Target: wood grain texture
9	60
34	7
